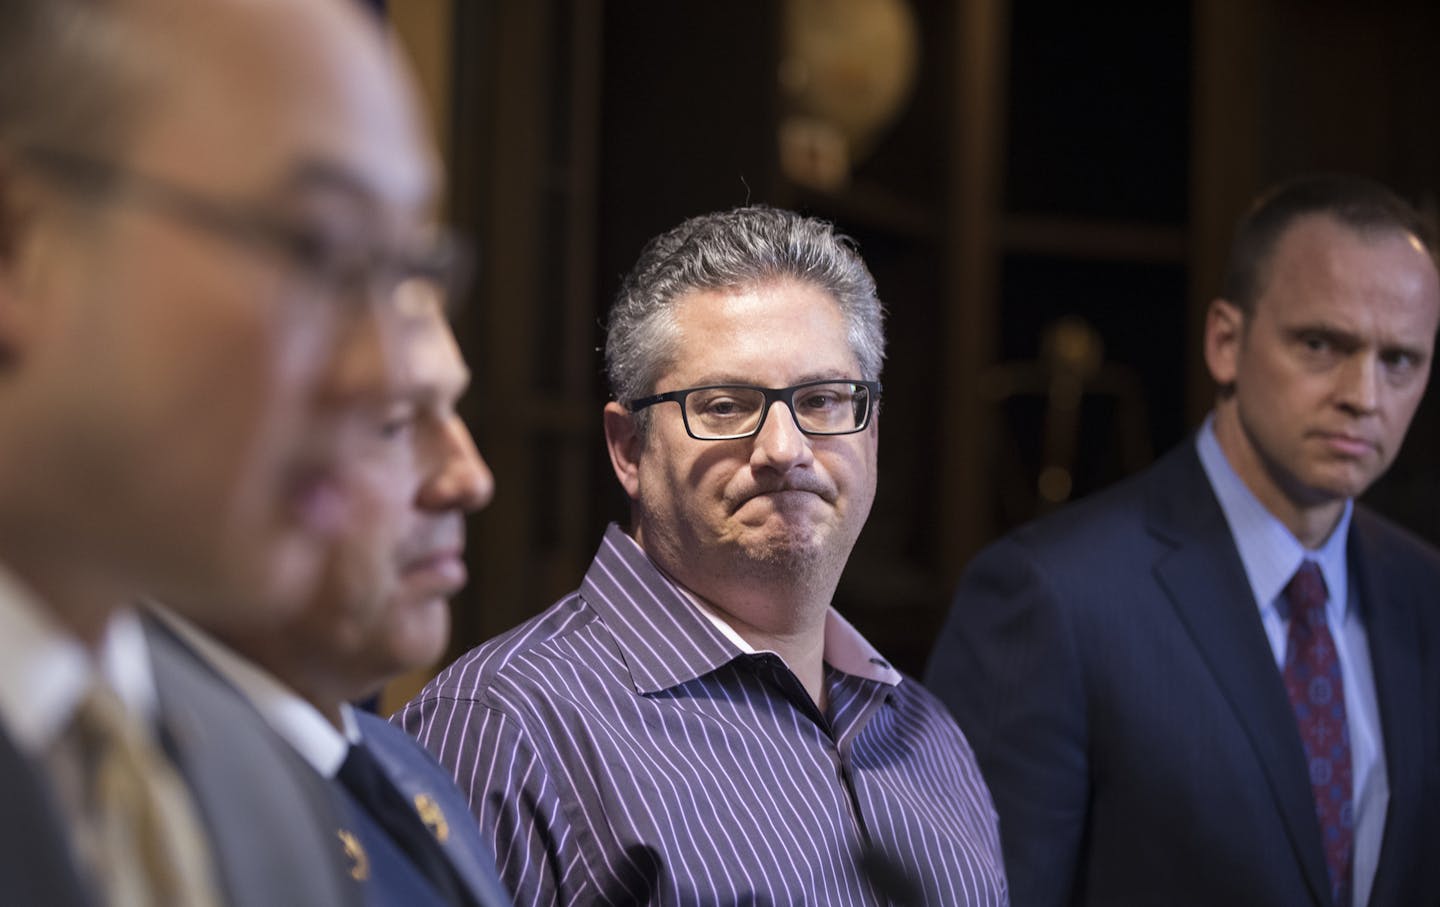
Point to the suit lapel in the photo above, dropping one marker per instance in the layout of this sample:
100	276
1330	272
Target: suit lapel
243	777
441	805
1206	584
1392	626
387	875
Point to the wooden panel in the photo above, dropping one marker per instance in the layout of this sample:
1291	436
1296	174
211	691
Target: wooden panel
423	28
1225	173
976	136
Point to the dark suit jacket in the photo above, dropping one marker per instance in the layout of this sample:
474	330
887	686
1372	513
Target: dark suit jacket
1109	666
35	860
389	877
416	774
313	833
272	819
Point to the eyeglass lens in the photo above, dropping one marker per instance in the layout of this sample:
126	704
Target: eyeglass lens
726	412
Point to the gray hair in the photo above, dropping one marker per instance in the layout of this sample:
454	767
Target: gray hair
732	250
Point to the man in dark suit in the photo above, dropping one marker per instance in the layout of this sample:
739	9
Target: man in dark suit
382	609
1217	682
194	194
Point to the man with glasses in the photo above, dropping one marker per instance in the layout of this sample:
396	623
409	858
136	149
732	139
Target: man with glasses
203	206
696	724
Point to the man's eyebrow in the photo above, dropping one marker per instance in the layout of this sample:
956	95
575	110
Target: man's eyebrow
452	385
1330	332
1405	348
1348	339
837	375
315	174
727	379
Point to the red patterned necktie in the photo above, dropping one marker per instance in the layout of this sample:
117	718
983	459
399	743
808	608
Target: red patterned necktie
1312	678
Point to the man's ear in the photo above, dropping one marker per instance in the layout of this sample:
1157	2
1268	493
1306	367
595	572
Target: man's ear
625	444
1224	333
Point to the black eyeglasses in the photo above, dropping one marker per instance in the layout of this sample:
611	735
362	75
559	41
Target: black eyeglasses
440	265
725	412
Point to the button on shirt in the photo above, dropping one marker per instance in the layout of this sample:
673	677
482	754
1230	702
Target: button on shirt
622	747
1271	554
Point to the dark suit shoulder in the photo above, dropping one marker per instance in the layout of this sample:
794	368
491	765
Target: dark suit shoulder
446	809
36	865
244	778
1392	545
1113	529
379	732
396	746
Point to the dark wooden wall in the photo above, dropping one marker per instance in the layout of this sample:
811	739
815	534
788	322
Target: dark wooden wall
1054	160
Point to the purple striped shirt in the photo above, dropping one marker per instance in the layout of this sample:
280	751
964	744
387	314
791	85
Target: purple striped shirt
618	749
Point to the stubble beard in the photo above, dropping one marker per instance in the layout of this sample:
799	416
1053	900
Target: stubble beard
794	555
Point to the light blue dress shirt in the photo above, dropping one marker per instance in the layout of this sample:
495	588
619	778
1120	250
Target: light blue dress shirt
1271	554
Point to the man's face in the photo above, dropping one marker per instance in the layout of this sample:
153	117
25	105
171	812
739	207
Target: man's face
383	604
1329	367
779	503
195	427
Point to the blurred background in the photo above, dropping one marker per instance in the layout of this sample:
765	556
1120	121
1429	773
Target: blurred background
1044	192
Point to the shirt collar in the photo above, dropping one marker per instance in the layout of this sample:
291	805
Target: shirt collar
1269	551
289	714
664	640
846	650
670	636
45	671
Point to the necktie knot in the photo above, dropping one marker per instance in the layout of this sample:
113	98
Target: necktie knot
1306	595
98	724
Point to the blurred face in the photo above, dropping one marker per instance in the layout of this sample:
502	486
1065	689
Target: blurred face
383	604
193	419
780	503
1329	367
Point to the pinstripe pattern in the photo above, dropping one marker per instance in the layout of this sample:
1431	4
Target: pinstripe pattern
617	749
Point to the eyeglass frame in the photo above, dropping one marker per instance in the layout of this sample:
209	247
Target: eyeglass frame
772	395
447	263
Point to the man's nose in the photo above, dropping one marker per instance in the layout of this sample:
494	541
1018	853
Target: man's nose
462	480
780	444
1359	383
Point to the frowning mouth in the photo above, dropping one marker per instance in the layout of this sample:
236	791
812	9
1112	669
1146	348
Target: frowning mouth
442	571
1347	444
782	496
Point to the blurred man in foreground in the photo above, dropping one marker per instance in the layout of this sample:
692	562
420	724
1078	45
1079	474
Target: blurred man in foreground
696	724
1216	683
382	609
198	201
